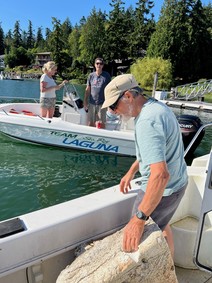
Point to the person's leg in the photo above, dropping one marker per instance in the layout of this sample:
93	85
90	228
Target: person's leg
91	115
43	112
50	112
50	104
102	115
167	233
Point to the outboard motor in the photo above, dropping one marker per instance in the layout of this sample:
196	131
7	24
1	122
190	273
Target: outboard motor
57	111
189	125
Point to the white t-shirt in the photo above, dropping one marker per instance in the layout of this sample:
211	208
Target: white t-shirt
50	82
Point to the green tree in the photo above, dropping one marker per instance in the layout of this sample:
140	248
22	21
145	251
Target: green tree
176	32
73	42
8	41
117	32
18	57
66	29
143	28
93	37
199	58
39	42
57	47
48	33
17	40
145	69
30	37
2	46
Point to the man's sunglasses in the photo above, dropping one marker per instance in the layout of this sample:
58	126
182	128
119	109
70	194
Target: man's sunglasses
99	63
114	106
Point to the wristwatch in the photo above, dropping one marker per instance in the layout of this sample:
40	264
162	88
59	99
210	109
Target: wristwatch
140	215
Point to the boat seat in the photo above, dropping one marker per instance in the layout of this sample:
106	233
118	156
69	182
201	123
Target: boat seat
185	221
72	118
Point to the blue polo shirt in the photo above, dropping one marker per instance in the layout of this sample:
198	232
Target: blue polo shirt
158	138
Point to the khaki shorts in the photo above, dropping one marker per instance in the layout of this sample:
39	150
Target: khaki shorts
95	113
47	103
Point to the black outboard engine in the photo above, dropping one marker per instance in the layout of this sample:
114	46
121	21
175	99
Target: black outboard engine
57	111
189	125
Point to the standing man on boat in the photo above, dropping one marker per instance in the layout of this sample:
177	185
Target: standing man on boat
48	87
94	94
159	159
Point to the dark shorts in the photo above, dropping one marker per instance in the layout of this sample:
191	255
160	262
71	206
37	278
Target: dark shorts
95	113
47	102
165	209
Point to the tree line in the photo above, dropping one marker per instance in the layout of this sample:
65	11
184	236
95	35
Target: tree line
181	39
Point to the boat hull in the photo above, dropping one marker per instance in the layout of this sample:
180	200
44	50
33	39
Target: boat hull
55	132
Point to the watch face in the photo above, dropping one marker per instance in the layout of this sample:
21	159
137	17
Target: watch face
141	215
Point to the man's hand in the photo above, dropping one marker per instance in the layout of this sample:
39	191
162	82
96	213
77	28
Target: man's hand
125	181
125	185
132	234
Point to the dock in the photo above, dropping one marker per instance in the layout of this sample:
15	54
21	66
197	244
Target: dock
191	105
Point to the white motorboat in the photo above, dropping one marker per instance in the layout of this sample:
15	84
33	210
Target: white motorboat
35	247
68	129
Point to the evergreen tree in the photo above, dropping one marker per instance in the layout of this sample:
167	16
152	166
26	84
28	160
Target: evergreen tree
39	42
60	57
200	41
93	37
66	29
8	41
2	46
117	32
30	37
17	40
48	33
24	39
143	27
73	42
182	36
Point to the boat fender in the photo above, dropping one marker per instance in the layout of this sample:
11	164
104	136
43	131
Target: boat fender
29	113
13	111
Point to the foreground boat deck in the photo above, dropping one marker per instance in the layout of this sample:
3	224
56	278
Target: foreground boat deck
192	276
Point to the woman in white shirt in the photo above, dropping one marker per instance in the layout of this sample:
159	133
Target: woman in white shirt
48	87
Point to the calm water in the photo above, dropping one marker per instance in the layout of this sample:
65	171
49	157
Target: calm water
33	177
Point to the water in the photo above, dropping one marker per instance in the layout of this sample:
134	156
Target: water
34	177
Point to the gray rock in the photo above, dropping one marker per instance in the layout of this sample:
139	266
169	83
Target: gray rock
104	261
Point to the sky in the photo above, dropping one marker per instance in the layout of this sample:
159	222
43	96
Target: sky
40	12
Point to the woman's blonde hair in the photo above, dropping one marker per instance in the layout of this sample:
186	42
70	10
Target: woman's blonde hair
49	66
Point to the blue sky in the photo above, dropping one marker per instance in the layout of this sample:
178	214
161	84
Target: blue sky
40	12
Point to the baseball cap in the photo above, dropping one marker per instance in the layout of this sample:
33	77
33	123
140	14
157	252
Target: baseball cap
116	87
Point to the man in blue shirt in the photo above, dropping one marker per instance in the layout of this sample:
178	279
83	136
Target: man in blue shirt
159	159
94	92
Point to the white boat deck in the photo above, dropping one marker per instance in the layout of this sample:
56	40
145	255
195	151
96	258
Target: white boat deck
192	276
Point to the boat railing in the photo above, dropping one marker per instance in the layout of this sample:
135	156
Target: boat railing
196	136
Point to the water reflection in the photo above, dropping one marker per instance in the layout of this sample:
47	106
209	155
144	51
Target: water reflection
34	177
